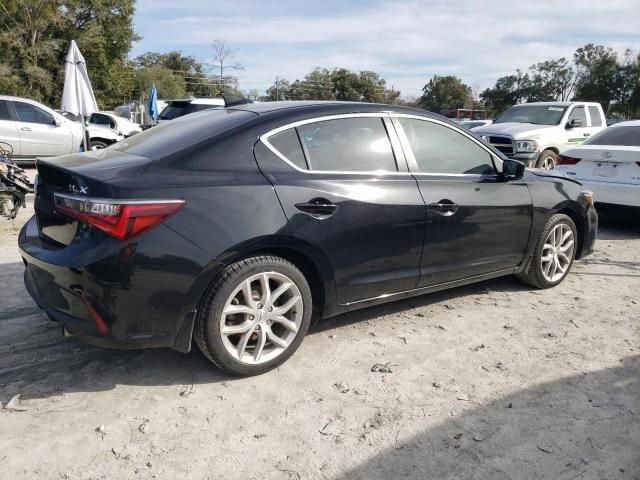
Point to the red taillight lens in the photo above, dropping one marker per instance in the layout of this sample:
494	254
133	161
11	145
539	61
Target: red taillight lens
122	219
564	160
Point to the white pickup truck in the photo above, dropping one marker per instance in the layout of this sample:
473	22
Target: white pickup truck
535	133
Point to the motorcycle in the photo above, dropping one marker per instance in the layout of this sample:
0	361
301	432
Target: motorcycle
14	184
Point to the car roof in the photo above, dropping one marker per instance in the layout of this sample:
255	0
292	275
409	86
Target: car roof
199	101
627	123
330	106
562	104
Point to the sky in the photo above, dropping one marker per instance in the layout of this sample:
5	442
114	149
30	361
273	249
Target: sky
405	41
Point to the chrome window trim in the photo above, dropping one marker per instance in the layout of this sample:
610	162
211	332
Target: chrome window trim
411	159
378	173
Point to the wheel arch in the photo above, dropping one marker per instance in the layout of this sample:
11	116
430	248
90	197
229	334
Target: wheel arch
307	257
108	141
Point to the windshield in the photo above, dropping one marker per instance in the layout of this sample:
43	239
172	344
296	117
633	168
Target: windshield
173	111
536	114
621	136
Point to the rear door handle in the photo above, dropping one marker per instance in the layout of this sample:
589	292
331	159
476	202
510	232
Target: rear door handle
444	207
319	208
26	129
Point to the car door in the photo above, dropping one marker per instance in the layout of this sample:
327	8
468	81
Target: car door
39	134
476	222
8	129
577	135
345	189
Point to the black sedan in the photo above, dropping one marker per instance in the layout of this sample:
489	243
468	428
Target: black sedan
237	227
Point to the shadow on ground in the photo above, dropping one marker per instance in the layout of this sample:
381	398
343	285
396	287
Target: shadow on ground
566	429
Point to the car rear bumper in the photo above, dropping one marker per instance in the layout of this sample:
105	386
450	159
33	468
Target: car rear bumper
624	194
114	295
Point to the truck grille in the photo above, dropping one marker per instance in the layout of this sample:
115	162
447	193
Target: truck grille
503	144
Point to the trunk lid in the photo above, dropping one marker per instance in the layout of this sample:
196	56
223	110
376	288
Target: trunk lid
605	163
84	174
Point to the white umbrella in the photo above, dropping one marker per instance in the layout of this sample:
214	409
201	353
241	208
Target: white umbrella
77	95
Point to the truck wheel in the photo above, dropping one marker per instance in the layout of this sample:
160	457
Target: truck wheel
97	145
547	160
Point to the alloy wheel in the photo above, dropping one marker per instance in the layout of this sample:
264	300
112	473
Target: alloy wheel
548	163
261	318
557	252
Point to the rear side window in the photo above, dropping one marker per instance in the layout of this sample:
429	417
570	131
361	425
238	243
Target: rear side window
440	149
32	114
4	111
596	120
621	136
578	113
288	144
348	145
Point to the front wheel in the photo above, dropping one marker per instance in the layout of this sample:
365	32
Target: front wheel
97	145
554	253
547	160
255	315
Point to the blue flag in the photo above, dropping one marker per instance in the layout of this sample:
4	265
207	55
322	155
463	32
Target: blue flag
152	106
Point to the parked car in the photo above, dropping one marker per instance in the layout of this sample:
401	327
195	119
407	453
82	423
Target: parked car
471	124
100	135
535	133
124	127
178	108
608	164
236	226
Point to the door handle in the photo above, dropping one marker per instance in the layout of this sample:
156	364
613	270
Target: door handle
26	129
445	208
586	134
319	208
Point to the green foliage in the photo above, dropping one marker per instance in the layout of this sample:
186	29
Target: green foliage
596	74
337	84
444	93
35	37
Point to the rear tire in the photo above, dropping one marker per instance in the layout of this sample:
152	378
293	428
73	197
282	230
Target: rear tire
97	145
254	316
553	254
547	160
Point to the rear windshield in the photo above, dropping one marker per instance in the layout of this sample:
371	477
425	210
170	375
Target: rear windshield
169	138
622	136
178	109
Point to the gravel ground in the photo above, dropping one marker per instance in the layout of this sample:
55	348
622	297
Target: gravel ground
490	381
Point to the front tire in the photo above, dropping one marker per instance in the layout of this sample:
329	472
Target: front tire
547	160
97	145
254	316
554	253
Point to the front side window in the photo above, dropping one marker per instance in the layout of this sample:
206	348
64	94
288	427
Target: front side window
32	114
348	145
596	120
440	149
578	113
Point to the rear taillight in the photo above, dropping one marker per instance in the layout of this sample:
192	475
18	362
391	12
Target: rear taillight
564	160
122	219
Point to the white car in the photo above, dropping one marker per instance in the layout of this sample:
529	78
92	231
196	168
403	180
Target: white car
608	164
471	124
34	130
124	127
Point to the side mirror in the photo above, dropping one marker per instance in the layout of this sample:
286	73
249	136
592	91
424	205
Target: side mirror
512	169
57	122
575	123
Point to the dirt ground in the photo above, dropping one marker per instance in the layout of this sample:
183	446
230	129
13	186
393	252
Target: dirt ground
490	381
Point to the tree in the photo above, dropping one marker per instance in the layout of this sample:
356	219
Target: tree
196	81
168	84
551	80
337	84
444	93
224	59
35	37
597	77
